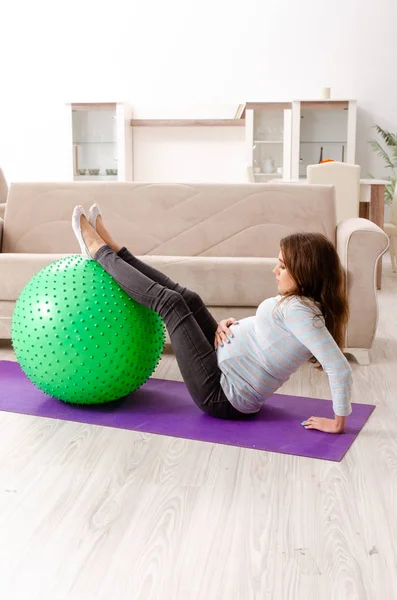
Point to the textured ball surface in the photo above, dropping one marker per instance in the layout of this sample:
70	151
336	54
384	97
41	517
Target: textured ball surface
80	338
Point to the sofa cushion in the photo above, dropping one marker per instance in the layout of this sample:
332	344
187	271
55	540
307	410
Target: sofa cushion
170	219
220	281
218	312
17	269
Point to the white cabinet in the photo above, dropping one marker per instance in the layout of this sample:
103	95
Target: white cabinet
283	138
322	129
268	140
101	141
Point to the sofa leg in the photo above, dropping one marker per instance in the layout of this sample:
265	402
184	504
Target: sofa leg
360	354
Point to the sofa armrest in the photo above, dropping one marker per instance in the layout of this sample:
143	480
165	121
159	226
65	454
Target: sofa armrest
1	232
360	244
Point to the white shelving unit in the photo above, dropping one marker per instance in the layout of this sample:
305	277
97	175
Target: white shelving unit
322	129
268	140
282	139
101	141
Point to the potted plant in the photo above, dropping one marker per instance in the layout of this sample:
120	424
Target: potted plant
389	155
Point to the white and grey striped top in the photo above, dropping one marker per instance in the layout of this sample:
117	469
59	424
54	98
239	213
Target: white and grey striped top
268	348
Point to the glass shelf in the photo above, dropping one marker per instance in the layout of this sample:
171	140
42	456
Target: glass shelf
268	141
324	143
274	175
74	142
78	177
101	138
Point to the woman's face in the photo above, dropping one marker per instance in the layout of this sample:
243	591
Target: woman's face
284	280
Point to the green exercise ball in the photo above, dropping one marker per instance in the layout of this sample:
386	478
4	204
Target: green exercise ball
80	338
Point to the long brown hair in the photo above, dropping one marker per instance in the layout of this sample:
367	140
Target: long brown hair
314	265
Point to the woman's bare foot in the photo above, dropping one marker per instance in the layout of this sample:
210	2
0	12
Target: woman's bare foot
105	235
92	240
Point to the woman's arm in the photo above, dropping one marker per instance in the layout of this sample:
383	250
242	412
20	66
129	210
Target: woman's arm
315	336
340	423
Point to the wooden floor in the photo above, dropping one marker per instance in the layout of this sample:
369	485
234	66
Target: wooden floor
88	512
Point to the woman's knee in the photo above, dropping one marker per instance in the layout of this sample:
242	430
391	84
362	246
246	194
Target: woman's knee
170	300
192	299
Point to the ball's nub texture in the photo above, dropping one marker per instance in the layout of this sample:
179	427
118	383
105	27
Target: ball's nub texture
80	338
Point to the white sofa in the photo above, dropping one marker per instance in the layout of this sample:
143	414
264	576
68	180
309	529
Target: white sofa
222	240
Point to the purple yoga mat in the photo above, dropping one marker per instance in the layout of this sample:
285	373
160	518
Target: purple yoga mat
165	407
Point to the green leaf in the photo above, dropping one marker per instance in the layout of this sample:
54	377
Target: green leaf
389	189
376	147
394	154
390	138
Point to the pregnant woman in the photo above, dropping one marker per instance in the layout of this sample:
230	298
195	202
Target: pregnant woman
231	367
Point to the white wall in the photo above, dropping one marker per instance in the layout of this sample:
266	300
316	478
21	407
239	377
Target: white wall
211	154
190	154
182	53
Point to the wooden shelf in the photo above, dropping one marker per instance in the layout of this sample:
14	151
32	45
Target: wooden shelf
187	122
325	104
268	105
94	106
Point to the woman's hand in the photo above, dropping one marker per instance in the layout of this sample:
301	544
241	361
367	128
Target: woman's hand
336	425
223	332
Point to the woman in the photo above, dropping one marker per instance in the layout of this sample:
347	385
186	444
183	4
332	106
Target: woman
231	367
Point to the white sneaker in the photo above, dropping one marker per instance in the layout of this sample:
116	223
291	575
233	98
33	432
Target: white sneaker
76	224
94	213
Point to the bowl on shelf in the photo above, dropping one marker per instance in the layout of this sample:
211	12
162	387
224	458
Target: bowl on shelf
111	171
94	171
82	171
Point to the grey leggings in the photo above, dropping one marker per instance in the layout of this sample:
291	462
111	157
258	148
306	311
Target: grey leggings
190	325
